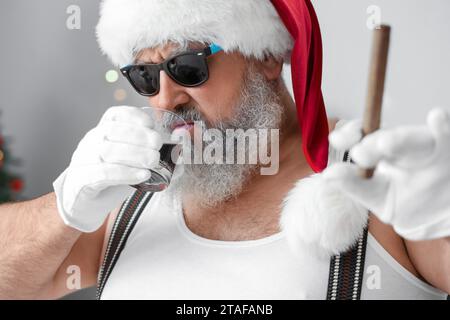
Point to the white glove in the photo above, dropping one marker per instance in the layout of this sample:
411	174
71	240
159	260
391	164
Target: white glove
411	186
116	154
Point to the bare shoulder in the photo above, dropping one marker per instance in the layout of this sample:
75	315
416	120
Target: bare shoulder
432	260
332	123
392	243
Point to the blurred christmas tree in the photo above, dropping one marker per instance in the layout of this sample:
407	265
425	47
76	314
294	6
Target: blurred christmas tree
10	184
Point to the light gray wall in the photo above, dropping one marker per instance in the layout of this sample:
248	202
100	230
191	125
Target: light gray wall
53	89
52	85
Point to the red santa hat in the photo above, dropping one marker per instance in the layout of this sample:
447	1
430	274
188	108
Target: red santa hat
255	28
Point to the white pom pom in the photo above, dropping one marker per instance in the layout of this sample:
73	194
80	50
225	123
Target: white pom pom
318	217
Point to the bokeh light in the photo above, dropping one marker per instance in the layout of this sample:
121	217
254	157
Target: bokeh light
112	76
120	95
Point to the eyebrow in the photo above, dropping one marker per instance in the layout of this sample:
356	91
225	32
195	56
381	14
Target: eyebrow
139	61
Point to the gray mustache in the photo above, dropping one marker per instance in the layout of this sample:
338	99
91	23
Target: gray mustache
189	114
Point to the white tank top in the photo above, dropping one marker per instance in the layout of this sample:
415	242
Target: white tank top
163	259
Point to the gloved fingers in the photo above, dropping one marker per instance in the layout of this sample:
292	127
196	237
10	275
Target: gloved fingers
347	136
366	153
438	121
406	147
128	155
130	115
108	175
85	153
112	197
370	193
132	134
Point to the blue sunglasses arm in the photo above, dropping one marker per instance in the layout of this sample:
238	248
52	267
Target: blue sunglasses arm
215	48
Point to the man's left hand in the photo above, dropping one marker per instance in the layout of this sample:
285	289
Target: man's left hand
411	186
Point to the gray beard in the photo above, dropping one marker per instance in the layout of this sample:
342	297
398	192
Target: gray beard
208	185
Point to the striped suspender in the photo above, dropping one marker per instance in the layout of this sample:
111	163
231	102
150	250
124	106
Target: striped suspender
347	269
346	272
123	226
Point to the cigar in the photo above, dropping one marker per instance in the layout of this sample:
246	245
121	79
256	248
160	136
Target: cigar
377	77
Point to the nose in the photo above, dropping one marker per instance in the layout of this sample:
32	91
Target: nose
170	94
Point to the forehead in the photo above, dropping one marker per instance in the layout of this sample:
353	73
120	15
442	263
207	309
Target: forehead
160	53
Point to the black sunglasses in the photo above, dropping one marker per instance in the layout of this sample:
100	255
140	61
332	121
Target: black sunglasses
189	69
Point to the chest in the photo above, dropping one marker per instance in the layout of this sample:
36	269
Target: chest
165	261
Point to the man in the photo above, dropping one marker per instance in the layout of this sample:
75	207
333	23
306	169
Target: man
215	232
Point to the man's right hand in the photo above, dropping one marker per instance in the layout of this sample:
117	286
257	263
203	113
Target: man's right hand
116	154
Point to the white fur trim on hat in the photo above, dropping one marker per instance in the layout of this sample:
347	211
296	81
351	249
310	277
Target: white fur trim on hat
319	218
251	27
